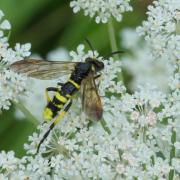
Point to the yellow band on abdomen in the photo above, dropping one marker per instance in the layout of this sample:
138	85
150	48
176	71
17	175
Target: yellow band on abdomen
74	83
61	98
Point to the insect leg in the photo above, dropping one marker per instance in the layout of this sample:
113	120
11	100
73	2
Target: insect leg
60	116
99	75
45	136
50	89
60	84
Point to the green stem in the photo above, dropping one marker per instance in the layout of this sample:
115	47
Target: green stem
113	43
144	135
112	37
172	153
178	27
26	112
115	177
9	34
104	126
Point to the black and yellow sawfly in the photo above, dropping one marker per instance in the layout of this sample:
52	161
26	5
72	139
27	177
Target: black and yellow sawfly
82	78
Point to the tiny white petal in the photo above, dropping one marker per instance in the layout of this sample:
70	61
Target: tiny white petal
5	25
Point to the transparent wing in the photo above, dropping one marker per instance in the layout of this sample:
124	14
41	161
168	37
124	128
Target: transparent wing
42	69
91	102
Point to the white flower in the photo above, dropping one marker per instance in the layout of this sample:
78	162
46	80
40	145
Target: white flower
1	14
171	106
176	164
151	118
39	166
120	169
8	161
160	29
135	115
177	145
141	64
174	82
102	10
32	148
12	85
5	25
161	169
22	50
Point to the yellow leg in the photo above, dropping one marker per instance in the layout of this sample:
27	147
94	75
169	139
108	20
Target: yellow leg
50	89
47	96
60	116
62	113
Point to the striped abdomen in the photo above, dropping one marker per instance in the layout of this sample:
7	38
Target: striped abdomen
60	98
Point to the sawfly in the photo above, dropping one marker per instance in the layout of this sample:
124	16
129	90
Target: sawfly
82	78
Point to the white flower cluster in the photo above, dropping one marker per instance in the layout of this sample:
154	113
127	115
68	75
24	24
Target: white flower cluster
25	168
11	84
136	139
161	29
102	10
140	64
137	147
141	106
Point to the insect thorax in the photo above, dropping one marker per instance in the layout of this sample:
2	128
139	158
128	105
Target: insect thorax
81	71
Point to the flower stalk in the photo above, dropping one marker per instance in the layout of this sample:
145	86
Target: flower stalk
178	27
172	153
113	43
112	37
105	127
30	117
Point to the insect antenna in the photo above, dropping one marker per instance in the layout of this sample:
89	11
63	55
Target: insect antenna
112	53
90	45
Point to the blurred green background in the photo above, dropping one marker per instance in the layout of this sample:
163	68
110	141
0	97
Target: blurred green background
48	24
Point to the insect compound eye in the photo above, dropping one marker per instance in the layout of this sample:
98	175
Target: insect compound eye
98	65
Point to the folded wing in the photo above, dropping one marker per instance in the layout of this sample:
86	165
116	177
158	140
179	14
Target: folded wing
42	69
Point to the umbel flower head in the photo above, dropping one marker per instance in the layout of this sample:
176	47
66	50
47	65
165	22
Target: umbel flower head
102	10
141	64
136	139
81	149
12	85
161	29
